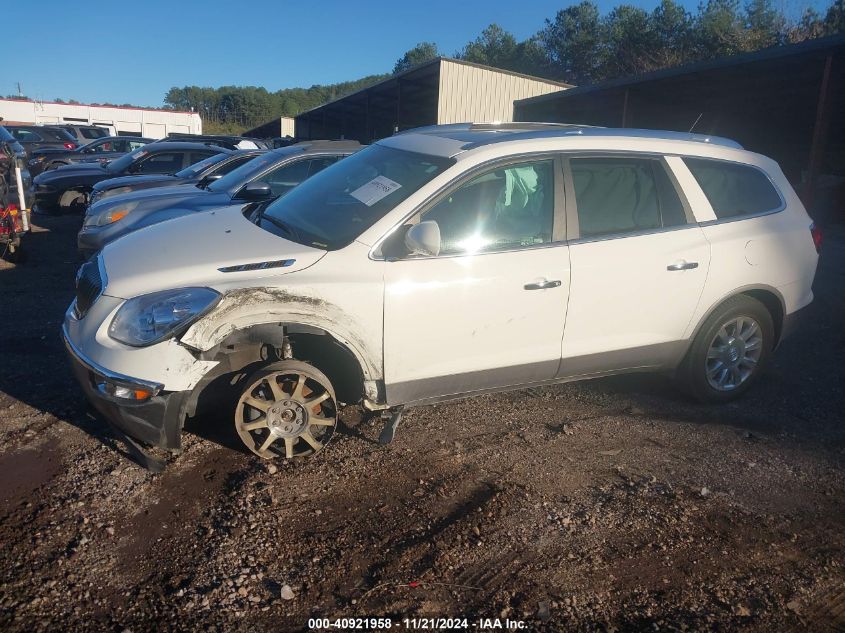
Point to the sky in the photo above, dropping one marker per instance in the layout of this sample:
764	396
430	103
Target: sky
134	52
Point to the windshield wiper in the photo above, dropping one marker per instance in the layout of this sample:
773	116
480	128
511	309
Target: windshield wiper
287	228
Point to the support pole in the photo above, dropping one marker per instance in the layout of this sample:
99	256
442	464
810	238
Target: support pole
625	109
19	181
398	105
819	132
367	120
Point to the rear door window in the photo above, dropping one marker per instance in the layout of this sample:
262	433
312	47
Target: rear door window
618	195
25	136
734	190
162	163
93	132
198	156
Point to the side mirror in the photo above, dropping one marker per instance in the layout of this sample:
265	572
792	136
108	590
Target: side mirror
424	239
207	180
255	191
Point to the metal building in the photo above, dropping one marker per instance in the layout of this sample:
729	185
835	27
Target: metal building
785	102
440	91
126	121
281	127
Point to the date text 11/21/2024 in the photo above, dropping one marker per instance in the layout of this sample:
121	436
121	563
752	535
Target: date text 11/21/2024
417	624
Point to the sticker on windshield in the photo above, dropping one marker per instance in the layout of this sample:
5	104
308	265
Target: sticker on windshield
138	155
375	190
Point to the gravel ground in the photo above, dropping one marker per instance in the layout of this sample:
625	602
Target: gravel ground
613	505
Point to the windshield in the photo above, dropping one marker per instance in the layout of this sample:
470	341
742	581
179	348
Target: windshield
246	172
334	207
123	162
193	171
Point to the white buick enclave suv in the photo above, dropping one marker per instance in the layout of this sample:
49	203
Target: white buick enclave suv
445	262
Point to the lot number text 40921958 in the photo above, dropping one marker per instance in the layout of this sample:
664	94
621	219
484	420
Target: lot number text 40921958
417	624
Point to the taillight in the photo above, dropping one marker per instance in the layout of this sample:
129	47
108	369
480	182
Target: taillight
70	145
816	233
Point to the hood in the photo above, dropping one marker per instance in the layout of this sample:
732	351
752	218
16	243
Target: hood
98	158
127	181
167	194
70	170
189	251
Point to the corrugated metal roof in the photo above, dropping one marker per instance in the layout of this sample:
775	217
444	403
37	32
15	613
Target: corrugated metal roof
777	52
427	68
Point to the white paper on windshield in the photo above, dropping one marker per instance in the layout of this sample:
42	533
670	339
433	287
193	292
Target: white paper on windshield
375	190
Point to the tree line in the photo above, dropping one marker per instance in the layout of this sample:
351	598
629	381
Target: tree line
578	45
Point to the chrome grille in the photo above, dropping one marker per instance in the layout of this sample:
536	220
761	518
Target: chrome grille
89	285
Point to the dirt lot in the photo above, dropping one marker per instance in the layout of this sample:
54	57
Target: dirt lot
611	505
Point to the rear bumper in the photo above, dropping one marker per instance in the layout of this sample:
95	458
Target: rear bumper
156	421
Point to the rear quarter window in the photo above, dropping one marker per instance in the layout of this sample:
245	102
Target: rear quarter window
734	190
93	132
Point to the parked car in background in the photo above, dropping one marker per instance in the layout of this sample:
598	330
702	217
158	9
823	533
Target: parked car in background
102	150
224	140
442	263
12	153
268	176
84	133
203	172
67	188
34	137
280	141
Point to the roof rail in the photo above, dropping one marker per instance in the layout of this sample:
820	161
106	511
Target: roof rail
525	125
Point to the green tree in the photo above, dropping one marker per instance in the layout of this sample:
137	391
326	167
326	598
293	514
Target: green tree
494	47
719	29
764	25
574	42
834	19
629	42
500	49
421	53
671	28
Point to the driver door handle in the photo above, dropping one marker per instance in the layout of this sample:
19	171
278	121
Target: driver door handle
542	285
682	265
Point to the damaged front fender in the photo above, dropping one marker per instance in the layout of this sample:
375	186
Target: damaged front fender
246	307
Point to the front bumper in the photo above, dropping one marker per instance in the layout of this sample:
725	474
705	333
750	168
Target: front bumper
90	240
46	199
156	421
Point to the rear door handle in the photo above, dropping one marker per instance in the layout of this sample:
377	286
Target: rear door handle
542	285
682	265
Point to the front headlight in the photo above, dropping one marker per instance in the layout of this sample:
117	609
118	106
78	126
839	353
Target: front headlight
118	212
151	318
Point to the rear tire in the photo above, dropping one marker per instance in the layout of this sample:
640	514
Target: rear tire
729	352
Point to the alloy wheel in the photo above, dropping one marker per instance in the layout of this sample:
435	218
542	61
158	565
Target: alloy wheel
286	414
734	353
